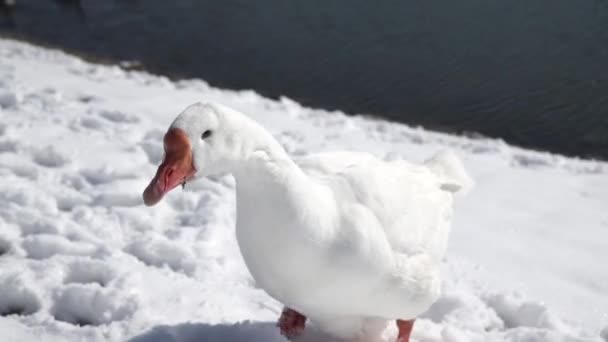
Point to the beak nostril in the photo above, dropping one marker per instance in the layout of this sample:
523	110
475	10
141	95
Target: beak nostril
168	176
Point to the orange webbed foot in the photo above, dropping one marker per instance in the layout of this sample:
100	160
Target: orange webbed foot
291	323
405	330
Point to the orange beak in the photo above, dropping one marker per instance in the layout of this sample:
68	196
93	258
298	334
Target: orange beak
176	168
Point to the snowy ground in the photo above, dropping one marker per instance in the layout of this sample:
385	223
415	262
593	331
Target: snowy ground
81	259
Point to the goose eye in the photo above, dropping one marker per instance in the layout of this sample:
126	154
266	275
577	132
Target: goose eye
206	134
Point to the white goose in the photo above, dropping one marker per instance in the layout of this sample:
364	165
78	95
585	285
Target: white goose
343	238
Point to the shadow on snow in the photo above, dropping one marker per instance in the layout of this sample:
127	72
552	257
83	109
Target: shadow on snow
237	332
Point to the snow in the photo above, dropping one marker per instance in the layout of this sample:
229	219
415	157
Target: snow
81	258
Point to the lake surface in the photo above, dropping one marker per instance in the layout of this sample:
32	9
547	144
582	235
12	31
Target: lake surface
534	72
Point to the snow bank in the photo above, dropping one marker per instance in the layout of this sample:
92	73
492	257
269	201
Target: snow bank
82	304
81	259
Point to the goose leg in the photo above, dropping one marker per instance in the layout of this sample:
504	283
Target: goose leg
291	323
405	330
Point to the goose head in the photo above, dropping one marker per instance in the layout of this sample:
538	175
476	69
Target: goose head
201	141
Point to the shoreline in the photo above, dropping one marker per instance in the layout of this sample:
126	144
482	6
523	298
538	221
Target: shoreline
140	67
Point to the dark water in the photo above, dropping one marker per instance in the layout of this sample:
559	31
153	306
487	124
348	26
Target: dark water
533	72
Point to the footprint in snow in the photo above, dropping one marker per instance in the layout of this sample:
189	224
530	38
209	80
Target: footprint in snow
116	199
50	157
9	146
29	198
19	167
32	225
89	272
16	298
90	304
68	199
160	252
25	171
47	98
104	175
44	246
9	100
87	98
465	307
118	116
74	180
92	123
516	312
5	247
